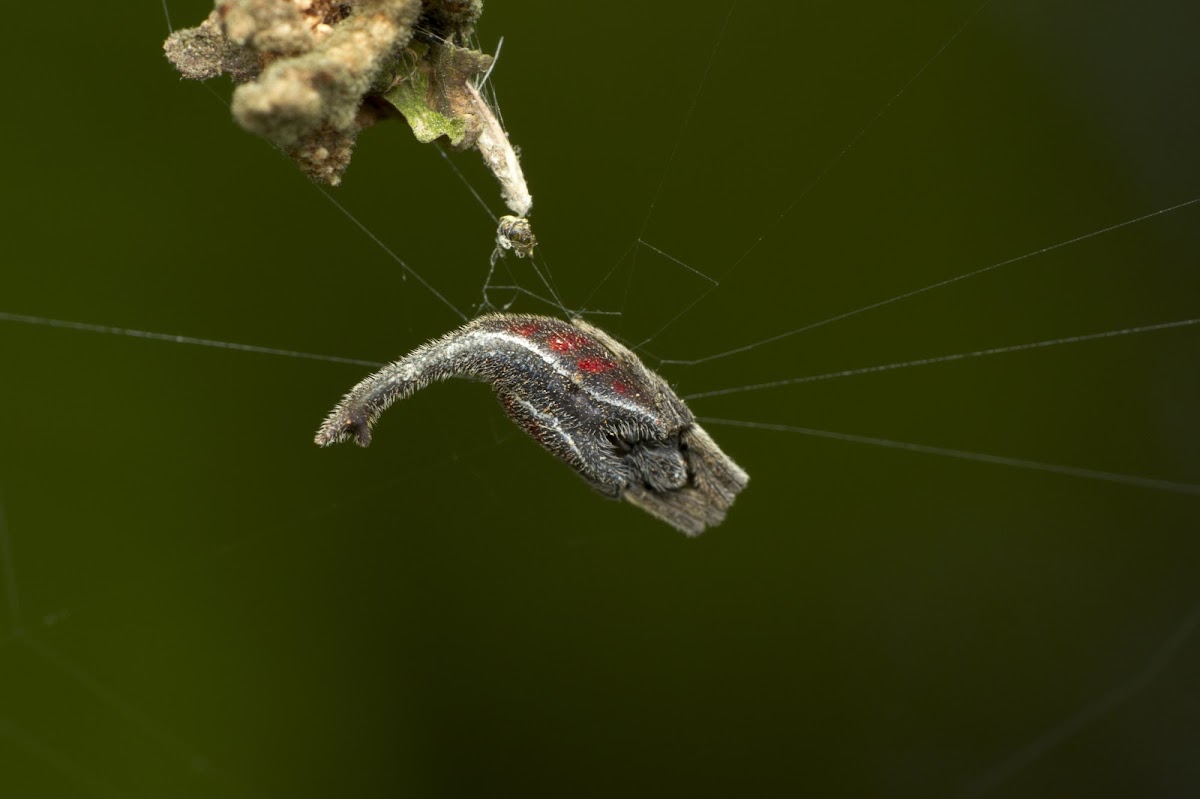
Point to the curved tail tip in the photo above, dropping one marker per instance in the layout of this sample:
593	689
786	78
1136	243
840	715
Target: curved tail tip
341	426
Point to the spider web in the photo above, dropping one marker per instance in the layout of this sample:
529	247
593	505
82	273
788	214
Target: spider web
992	248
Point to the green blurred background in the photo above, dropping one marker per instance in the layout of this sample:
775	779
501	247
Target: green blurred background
203	604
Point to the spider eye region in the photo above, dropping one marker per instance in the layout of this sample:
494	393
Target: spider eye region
660	465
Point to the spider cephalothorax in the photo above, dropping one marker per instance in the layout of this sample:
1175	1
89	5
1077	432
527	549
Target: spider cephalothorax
583	396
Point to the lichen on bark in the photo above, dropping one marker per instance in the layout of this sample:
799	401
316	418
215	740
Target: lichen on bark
311	74
432	95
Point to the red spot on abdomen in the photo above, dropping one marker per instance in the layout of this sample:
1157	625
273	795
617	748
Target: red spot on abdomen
595	365
565	342
620	387
526	330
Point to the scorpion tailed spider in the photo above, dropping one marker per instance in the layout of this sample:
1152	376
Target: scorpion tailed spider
583	396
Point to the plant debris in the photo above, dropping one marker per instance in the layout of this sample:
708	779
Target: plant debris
311	74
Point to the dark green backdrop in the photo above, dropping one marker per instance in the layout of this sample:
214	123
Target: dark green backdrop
204	604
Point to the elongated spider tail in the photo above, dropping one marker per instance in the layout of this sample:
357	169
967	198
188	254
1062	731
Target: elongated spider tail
353	417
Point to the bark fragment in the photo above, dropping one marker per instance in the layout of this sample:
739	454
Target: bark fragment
311	74
307	69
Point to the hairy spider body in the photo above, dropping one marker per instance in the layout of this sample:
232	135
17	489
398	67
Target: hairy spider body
583	396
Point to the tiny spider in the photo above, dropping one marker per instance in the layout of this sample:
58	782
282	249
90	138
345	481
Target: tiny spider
586	398
515	234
